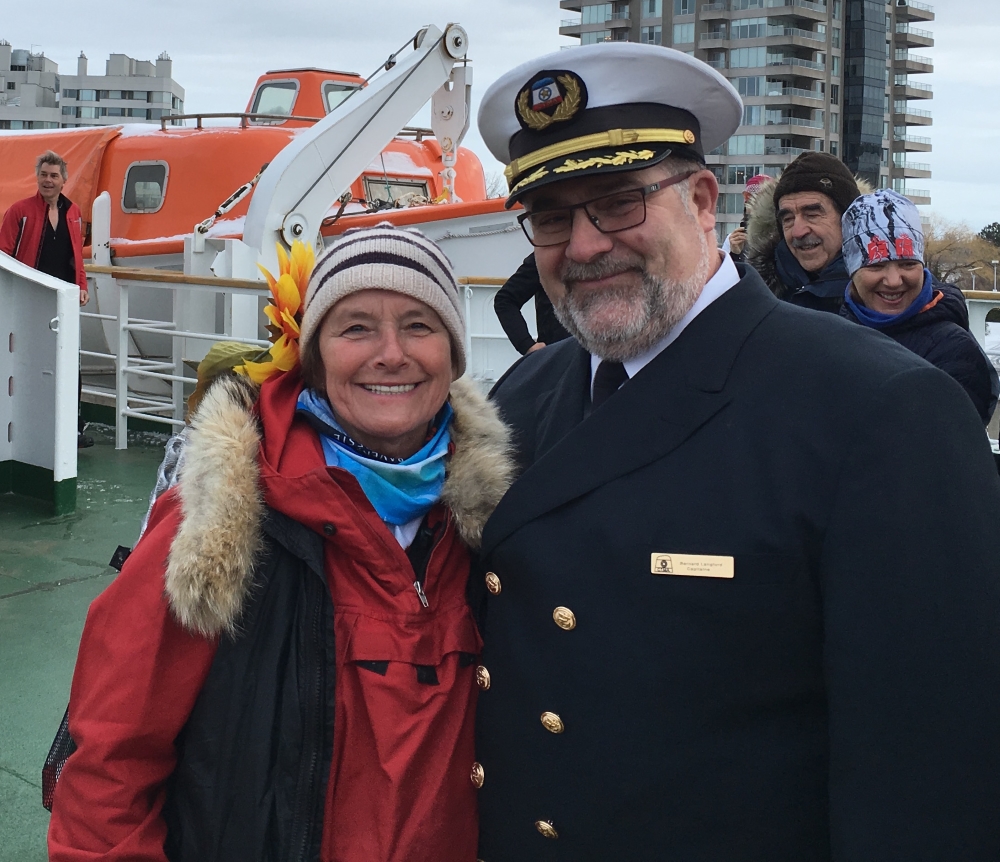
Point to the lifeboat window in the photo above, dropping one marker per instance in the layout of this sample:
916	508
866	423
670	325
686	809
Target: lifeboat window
334	93
275	97
145	187
392	190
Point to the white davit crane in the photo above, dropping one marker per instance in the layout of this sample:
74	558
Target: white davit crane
307	177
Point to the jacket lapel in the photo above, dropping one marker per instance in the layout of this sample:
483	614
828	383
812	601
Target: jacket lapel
653	414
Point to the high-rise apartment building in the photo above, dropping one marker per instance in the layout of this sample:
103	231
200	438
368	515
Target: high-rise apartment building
835	76
34	95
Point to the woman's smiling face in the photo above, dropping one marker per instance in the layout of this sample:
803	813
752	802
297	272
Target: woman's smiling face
388	367
889	287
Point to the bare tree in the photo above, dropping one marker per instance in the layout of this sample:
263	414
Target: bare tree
953	252
496	185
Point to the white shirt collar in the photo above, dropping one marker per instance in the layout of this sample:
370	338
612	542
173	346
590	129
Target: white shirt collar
726	276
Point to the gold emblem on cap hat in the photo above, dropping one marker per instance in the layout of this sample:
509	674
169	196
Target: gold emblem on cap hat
539	120
688	136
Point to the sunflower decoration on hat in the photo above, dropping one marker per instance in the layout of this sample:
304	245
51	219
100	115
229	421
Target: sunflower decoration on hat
288	293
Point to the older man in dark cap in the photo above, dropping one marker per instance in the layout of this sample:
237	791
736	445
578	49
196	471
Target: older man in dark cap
718	626
794	231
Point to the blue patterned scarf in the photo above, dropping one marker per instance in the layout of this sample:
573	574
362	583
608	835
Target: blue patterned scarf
877	320
401	490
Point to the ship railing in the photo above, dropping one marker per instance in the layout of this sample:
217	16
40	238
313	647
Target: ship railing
273	119
129	402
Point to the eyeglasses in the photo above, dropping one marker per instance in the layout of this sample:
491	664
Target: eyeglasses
609	214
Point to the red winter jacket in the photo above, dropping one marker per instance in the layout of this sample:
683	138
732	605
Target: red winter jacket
21	233
399	786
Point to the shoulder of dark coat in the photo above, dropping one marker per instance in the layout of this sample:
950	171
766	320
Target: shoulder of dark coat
210	565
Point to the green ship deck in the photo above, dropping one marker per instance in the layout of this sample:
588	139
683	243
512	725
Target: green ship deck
51	568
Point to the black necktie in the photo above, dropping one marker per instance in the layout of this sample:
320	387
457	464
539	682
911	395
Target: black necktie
609	376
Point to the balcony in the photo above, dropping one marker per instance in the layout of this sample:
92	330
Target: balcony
717	63
569	27
805	8
912	170
796	33
571	5
792	95
794	67
712	40
913	37
911	144
618	20
774	148
711	11
912	90
914	11
904	61
921	197
907	116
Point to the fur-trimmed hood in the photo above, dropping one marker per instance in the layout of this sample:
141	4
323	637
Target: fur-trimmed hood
210	566
763	235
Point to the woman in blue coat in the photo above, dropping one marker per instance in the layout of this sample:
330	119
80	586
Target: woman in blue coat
891	291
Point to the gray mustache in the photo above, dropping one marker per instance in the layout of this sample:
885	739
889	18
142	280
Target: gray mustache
602	268
806	242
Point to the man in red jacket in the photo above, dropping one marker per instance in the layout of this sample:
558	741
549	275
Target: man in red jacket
45	232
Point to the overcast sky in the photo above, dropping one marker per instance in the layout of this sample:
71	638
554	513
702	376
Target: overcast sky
221	46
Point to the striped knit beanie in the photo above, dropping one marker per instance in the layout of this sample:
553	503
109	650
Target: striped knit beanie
386	258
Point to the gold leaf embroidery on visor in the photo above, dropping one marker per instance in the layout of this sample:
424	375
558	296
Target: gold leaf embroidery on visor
531	178
625	157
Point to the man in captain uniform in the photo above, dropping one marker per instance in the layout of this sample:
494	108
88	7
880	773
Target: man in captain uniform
743	601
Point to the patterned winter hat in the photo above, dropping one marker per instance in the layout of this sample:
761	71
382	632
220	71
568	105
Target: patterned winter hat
386	258
881	226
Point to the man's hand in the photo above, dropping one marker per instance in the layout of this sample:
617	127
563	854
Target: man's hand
538	345
738	239
84	297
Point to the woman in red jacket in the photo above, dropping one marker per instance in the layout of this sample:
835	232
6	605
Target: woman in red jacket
286	667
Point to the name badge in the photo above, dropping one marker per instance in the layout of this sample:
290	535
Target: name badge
692	565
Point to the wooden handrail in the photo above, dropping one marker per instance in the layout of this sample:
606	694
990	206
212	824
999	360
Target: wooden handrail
486	281
982	294
170	277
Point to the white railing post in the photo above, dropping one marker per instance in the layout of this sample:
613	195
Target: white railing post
121	363
177	353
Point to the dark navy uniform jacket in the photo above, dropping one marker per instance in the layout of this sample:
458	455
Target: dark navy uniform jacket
836	698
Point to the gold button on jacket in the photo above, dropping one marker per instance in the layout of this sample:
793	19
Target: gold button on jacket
552	722
482	677
546	828
477	775
564	618
493	583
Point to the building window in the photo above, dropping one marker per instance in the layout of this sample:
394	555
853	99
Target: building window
835	65
595	37
652	9
11	85
835	37
834	148
749	28
89	113
751	86
740	5
737	175
87	95
597	14
335	93
834	94
683	33
885	158
145	186
139	96
729	203
69	94
652	35
747	58
834	122
746	145
683	7
753	115
69	111
836	9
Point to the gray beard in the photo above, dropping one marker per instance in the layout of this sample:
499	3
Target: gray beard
643	316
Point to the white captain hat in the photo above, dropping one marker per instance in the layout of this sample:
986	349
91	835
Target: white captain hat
604	108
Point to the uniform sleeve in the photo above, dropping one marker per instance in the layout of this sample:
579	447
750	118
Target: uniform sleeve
136	680
517	290
910	585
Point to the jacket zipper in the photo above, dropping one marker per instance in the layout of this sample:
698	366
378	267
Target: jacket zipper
20	235
424	535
